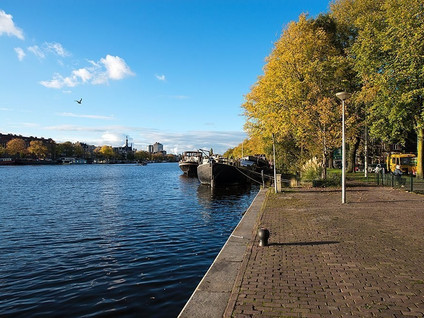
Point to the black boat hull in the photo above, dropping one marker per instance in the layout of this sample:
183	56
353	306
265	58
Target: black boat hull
221	174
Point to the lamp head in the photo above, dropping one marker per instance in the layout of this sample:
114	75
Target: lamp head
343	95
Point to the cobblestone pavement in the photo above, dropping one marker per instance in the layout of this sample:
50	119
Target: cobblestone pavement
326	259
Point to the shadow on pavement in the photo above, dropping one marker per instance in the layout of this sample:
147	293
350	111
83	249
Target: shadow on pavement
304	243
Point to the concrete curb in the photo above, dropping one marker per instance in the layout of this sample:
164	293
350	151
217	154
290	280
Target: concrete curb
211	296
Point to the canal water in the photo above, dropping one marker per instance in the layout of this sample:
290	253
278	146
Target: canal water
108	240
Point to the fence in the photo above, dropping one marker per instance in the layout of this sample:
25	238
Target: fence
406	182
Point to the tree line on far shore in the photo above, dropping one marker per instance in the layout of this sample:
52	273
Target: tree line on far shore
17	148
373	49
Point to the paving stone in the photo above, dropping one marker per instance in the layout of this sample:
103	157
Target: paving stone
328	259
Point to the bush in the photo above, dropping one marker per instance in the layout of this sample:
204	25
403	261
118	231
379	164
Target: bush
311	170
333	180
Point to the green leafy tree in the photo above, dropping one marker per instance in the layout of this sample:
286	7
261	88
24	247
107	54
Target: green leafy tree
65	149
79	150
158	157
387	53
130	155
142	155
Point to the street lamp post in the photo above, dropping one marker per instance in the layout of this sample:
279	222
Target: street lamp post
342	96
275	171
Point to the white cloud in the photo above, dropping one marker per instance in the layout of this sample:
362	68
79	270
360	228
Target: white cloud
160	77
85	116
56	48
114	139
7	26
111	67
35	49
59	81
29	125
20	52
83	73
116	67
48	48
173	142
70	128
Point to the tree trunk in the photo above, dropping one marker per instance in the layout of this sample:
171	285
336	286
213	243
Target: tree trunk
330	160
352	154
420	136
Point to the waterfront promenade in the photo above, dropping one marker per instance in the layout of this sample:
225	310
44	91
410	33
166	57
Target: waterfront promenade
325	259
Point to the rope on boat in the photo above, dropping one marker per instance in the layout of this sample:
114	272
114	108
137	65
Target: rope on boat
249	176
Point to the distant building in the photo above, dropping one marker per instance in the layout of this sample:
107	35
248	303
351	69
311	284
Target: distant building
124	150
87	148
156	148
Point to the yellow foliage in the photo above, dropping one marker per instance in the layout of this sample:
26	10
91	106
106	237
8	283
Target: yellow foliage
295	96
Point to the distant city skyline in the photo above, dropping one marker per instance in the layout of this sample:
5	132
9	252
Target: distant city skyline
168	71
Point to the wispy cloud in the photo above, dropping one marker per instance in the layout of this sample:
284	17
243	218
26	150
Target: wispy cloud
173	142
4	109
108	68
48	48
70	128
160	77
179	97
20	52
35	49
29	124
8	27
86	116
56	48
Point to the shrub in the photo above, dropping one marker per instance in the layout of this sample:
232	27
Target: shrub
311	170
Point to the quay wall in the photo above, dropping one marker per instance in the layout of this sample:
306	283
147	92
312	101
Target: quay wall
212	294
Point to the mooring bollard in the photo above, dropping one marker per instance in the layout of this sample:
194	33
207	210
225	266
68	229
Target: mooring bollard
263	235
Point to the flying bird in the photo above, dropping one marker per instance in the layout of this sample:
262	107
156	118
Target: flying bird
79	101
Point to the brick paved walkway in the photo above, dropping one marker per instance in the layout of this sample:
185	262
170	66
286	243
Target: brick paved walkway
325	259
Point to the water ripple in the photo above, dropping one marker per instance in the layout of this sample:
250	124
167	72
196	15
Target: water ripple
108	240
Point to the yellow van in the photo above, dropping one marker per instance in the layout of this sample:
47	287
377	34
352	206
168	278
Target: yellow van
406	161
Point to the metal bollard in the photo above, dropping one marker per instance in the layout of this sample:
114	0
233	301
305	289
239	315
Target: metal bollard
263	235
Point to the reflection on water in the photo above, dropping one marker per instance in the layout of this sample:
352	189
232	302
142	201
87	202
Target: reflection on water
94	240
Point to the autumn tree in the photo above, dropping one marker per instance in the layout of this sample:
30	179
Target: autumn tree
16	146
107	152
249	147
37	148
294	99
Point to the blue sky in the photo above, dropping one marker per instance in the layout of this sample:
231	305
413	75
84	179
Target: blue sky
173	71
